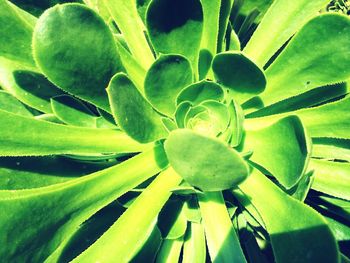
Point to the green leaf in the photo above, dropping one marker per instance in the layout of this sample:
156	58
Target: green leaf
310	58
280	22
132	112
225	11
332	178
130	24
238	73
132	230
327	120
22	136
181	111
211	18
73	112
27	84
75	49
201	91
282	149
168	75
135	71
171	220
236	123
295	229
331	148
261	5
33	172
222	240
194	249
10	104
170	251
204	162
70	204
16	28
176	27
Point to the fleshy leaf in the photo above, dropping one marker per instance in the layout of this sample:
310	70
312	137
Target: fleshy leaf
132	230
176	27
181	112
170	251
327	120
72	111
310	59
135	71
70	204
277	27
331	148
130	24
223	243
292	237
194	249
168	75
282	149
16	33
132	112
23	136
332	178
236	123
201	91
171	219
211	18
204	162
238	73
75	49
33	172
10	104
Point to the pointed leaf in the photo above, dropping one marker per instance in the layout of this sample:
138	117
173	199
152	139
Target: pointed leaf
16	33
222	240
327	120
331	148
170	251
130	24
331	178
168	75
75	49
70	204
10	104
132	112
176	27
22	136
131	230
204	162
277	27
194	249
310	59
297	232
282	149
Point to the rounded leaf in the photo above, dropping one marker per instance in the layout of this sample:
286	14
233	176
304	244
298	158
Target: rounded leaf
204	162
75	49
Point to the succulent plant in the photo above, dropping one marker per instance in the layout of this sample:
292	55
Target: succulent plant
167	131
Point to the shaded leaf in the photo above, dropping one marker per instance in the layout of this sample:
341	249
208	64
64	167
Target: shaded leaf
176	27
131	231
292	237
70	204
168	75
75	49
132	112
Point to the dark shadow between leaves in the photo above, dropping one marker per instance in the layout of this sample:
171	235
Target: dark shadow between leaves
36	84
